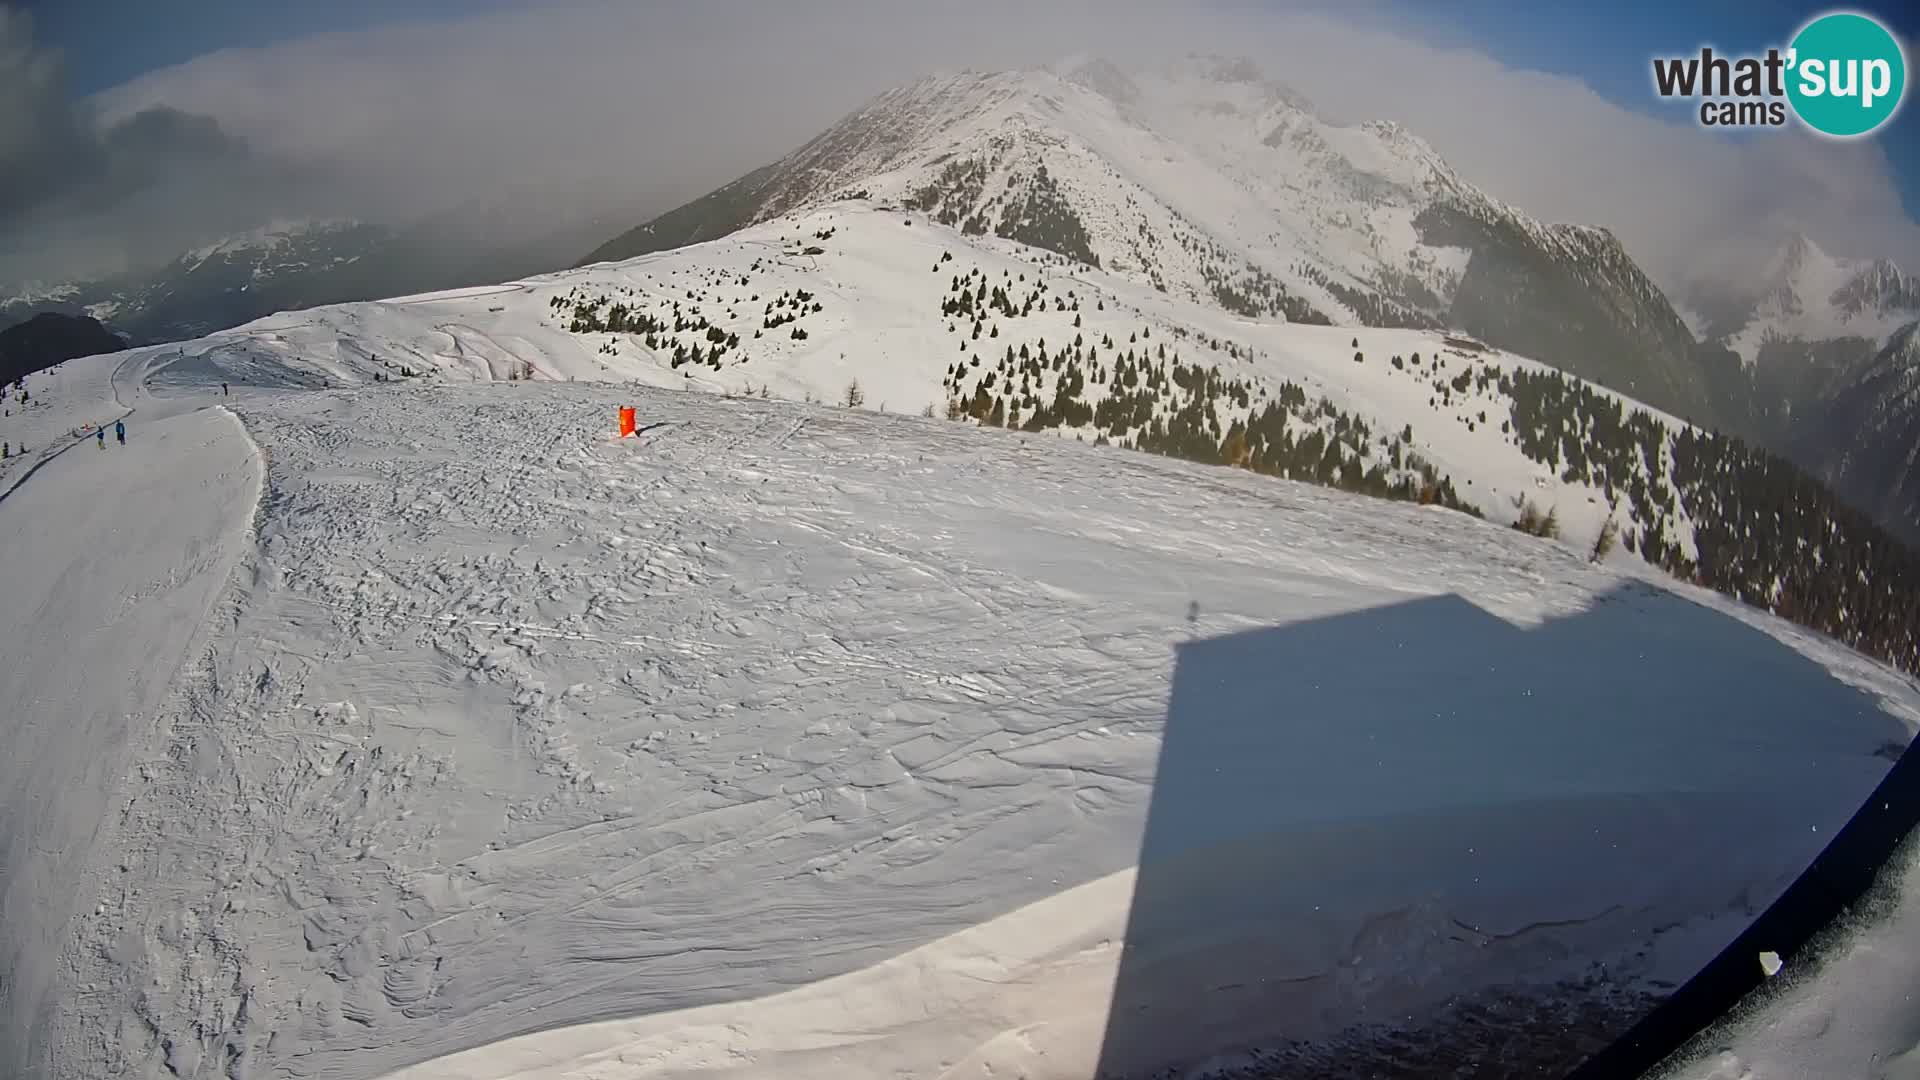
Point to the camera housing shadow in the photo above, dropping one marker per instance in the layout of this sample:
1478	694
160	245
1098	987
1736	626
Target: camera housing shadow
1419	840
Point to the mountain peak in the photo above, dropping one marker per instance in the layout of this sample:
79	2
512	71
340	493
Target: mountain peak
1201	178
1800	276
1797	251
1238	75
1809	295
1879	286
1100	75
268	236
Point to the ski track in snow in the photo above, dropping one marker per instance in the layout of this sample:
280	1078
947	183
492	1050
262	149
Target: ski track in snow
88	390
504	725
106	594
635	669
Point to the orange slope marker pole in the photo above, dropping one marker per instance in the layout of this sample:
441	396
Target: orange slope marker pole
626	421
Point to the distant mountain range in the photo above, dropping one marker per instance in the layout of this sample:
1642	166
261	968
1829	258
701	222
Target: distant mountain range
1830	374
307	264
227	283
51	338
1806	295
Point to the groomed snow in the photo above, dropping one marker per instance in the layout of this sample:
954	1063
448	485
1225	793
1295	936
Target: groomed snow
59	401
501	725
1024	995
112	559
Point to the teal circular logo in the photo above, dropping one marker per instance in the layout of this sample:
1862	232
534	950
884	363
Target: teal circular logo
1846	74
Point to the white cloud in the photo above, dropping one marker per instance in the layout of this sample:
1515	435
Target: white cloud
642	105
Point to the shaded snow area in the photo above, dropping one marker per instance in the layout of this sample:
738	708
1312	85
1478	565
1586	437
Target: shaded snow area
1846	1011
804	742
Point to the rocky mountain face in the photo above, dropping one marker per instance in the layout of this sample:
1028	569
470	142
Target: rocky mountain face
1863	436
1820	348
1804	295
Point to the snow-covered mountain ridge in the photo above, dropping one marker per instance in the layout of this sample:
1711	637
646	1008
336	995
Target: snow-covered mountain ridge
232	280
1806	295
1209	181
1821	348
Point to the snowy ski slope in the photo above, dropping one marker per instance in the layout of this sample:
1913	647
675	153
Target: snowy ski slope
793	740
111	565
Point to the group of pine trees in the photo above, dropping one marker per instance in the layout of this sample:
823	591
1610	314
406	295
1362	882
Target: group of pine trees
1763	530
951	199
604	314
969	298
789	307
1032	209
1373	308
1249	291
1152	400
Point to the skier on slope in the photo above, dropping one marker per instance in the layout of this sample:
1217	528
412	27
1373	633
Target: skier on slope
120	431
223	389
101	434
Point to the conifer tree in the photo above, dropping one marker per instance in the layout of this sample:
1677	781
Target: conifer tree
1603	543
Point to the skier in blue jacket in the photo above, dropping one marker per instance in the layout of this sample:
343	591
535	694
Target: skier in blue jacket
120	431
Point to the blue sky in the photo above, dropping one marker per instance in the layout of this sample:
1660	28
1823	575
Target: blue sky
107	42
1609	46
1606	45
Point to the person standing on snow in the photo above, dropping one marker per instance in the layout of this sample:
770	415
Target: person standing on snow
101	434
120	431
223	389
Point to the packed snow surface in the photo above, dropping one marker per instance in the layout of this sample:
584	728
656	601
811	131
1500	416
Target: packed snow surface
110	567
780	728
